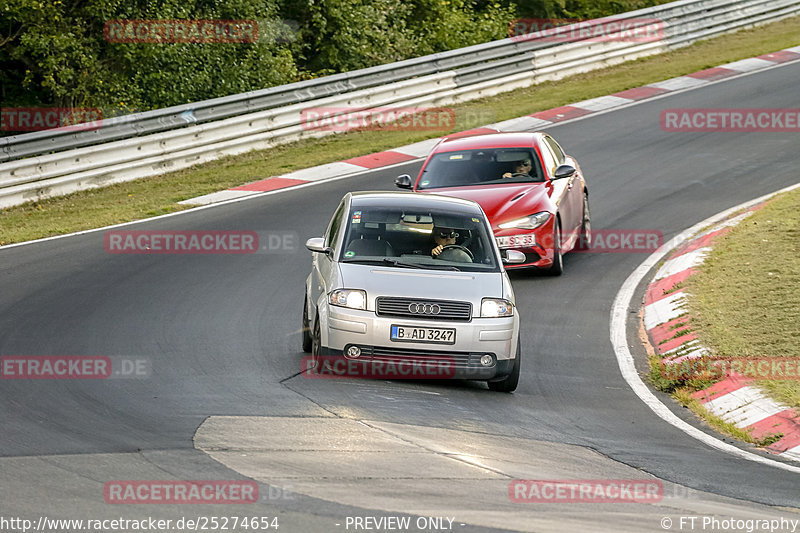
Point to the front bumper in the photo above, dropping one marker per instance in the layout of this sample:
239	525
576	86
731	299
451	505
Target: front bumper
390	363
541	254
344	328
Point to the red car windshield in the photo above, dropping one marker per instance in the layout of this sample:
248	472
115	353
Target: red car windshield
481	167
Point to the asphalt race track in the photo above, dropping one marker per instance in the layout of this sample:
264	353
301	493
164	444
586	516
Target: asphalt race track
221	333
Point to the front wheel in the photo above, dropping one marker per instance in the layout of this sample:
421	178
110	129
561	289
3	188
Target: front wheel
558	258
585	239
307	341
316	346
510	382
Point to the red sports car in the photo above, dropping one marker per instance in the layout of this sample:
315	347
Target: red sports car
533	193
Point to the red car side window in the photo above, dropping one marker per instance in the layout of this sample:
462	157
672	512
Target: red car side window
549	160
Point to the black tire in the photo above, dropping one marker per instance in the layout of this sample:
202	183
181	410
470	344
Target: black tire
585	238
510	382
316	346
306	327
558	258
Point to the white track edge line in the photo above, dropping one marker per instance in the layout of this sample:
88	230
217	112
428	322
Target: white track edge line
619	339
739	74
358	173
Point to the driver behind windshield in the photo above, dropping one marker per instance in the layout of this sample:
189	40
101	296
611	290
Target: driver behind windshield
521	169
442	237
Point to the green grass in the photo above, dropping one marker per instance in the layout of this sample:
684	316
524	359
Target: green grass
682	391
745	303
683	395
745	299
158	195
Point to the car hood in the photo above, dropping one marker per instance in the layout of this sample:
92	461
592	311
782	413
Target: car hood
502	203
418	283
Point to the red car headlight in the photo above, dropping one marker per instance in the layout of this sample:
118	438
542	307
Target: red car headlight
529	222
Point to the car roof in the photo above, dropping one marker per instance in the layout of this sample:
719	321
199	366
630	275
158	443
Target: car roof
412	200
490	140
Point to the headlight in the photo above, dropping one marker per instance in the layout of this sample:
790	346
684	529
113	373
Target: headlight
529	222
352	298
496	307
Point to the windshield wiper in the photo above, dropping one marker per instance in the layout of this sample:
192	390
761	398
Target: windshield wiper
400	264
385	260
395	262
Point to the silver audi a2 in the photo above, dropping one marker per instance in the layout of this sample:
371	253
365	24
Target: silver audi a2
403	277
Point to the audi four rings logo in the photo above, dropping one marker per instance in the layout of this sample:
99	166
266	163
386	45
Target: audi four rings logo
424	309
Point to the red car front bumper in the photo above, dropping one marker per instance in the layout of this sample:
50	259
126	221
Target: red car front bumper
538	255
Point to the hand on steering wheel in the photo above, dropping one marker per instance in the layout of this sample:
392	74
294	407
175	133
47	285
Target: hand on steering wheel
458	247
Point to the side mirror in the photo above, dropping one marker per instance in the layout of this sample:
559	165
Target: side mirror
563	171
513	257
403	181
317	244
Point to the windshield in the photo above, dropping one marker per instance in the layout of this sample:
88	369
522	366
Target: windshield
482	167
414	238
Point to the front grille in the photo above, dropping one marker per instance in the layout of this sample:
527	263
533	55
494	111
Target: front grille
461	360
424	309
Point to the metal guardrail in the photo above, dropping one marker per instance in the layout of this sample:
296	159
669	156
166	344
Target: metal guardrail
55	162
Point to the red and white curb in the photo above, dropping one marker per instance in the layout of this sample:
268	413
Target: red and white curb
534	121
735	399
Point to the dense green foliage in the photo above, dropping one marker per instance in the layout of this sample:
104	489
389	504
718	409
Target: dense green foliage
580	9
54	53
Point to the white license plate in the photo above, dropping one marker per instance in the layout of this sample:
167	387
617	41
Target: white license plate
422	334
516	241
